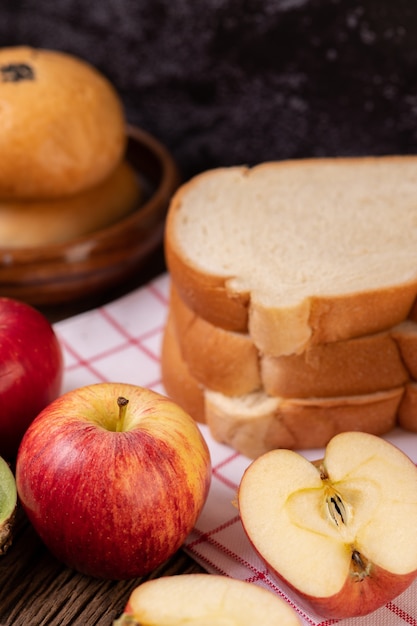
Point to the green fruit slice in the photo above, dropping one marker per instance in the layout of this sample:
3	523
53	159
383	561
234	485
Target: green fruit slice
8	503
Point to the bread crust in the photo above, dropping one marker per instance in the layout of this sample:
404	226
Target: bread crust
342	368
230	363
300	424
405	335
62	127
278	329
320	320
254	424
207	295
222	360
180	386
407	411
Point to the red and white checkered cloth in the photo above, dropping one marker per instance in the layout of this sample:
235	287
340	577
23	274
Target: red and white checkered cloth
121	342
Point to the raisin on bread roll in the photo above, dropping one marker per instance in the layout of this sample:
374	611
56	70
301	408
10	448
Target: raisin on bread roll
27	223
298	253
62	125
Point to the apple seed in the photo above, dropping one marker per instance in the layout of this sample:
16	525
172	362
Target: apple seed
338	513
336	507
361	569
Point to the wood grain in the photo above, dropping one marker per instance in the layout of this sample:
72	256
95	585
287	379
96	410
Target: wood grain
37	590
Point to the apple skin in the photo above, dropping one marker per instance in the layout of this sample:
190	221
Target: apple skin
367	586
356	598
31	370
113	504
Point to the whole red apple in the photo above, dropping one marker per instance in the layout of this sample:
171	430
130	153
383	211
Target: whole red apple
31	370
113	477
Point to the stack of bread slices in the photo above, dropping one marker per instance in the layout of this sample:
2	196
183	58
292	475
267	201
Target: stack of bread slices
292	312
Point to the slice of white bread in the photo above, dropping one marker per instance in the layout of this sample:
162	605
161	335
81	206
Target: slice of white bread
176	377
229	362
405	335
27	223
356	366
222	360
255	423
298	253
407	411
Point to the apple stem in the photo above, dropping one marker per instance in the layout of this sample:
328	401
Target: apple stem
122	404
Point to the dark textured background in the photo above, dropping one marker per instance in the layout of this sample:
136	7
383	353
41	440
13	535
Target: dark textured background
225	82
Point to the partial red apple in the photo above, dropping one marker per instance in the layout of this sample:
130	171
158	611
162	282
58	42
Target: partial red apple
8	504
343	532
31	370
206	600
113	478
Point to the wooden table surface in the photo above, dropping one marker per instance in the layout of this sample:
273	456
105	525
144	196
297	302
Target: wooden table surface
35	589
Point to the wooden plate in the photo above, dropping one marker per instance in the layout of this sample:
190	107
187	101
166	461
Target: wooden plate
61	273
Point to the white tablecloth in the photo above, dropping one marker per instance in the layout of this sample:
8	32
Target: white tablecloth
121	342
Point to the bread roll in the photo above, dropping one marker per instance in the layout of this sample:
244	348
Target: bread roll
62	126
298	253
44	222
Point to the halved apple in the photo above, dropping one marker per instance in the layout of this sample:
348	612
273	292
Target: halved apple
205	600
341	532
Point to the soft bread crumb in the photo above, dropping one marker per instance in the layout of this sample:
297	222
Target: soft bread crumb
285	231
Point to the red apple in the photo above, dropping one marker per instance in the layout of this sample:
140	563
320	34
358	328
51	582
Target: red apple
31	370
342	533
113	477
207	600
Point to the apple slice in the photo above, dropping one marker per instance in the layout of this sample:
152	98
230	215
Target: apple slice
8	503
205	600
342	532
